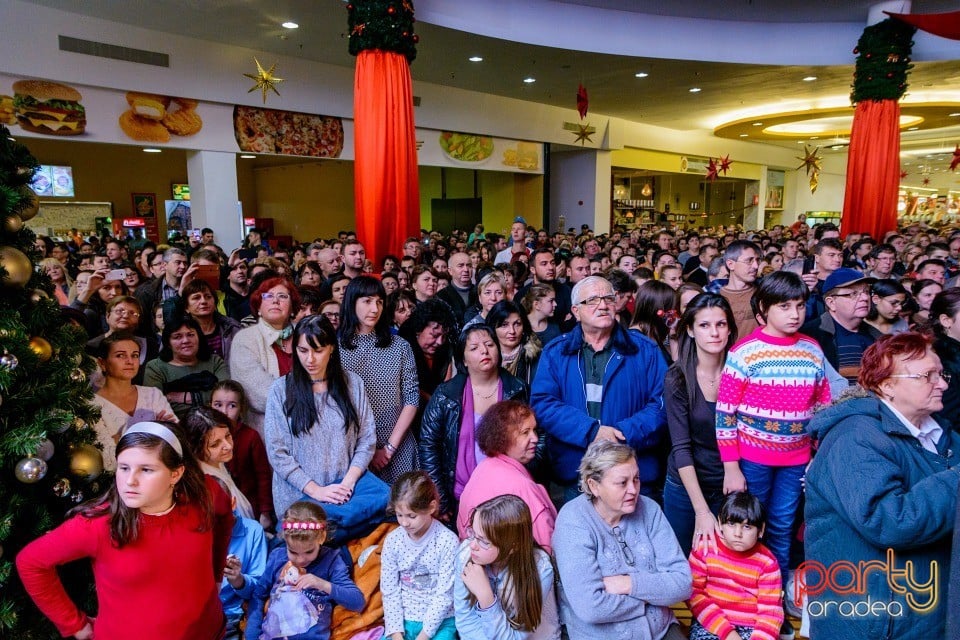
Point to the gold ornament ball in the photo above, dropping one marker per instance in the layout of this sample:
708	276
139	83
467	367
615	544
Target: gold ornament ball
12	224
41	347
33	204
18	268
86	462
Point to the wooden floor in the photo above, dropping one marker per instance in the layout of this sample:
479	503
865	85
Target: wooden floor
685	617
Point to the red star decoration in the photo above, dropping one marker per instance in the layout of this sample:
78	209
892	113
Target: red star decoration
407	6
582	101
712	170
725	163
926	181
956	158
903	174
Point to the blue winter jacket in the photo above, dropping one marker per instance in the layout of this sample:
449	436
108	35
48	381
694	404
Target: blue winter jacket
872	487
632	401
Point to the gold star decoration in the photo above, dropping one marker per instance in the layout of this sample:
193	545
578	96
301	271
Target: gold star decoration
811	162
583	132
264	79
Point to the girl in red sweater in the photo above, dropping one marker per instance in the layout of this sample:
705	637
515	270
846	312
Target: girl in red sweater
157	540
249	466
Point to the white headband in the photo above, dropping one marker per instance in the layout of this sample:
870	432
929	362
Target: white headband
159	430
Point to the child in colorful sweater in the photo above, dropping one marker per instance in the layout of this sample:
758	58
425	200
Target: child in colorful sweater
770	385
736	587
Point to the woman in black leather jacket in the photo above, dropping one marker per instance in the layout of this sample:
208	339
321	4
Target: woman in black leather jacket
945	318
448	450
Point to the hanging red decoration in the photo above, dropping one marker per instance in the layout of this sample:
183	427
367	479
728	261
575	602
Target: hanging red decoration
956	159
583	101
712	169
945	25
926	182
903	174
725	163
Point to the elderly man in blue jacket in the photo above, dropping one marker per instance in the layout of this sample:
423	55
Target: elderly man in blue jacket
600	381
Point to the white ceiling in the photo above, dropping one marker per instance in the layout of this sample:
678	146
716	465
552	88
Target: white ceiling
661	99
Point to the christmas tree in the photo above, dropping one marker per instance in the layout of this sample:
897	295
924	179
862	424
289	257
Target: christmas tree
48	463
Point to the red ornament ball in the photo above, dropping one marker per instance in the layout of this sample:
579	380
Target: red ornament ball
405	34
391	10
856	50
349	7
416	38
870	78
890	75
868	56
580	202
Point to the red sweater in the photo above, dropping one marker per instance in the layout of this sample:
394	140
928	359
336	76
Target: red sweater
733	589
163	586
251	470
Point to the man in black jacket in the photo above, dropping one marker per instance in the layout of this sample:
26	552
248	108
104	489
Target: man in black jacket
461	294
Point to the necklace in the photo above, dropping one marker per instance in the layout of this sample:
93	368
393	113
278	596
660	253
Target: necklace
318	380
476	390
708	380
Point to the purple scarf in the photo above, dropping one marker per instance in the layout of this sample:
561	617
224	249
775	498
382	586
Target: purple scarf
467	441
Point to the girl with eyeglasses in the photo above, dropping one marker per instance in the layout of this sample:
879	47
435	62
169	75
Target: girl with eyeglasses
887	298
504	587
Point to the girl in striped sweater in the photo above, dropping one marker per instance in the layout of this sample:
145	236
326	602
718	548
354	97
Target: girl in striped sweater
736	587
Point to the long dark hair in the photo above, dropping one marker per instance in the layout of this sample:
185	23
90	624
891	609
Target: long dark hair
191	489
363	287
946	303
201	421
687	358
300	406
884	288
654	298
499	313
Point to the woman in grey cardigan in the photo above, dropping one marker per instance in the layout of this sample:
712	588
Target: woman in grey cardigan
619	562
320	436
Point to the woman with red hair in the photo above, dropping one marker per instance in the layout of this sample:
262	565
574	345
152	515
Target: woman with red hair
264	352
881	491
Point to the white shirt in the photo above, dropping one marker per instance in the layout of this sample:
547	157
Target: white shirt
928	434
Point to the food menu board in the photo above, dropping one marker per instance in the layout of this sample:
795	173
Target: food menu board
470	150
53	181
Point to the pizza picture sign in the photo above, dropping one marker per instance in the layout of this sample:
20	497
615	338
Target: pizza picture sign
287	133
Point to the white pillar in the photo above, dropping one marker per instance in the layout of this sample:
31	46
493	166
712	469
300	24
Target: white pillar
580	189
213	196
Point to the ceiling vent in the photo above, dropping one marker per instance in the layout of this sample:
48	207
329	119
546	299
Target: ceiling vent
114	52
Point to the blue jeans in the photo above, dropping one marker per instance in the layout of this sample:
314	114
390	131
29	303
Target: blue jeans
778	489
679	510
358	516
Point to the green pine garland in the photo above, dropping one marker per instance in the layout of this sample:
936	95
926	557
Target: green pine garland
386	25
38	401
883	61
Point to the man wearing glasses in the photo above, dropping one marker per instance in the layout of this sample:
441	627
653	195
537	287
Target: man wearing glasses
742	258
841	331
600	382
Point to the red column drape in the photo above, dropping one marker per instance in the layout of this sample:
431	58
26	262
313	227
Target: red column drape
873	169
386	183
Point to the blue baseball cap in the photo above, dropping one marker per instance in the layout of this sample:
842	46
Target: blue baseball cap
520	220
845	277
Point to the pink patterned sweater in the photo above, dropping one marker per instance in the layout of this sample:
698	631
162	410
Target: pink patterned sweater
769	390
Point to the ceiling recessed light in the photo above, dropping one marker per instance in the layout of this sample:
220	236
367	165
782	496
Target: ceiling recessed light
758	124
810	78
248	156
695	89
743	135
529	80
290	25
913	128
641	74
955	115
475	59
800	142
151	150
814	137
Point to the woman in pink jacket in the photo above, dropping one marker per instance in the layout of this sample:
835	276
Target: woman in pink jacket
507	436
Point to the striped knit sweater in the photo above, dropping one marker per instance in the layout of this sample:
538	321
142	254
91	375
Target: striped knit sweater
732	589
769	389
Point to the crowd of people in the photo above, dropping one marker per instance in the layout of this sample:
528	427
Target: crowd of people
573	432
